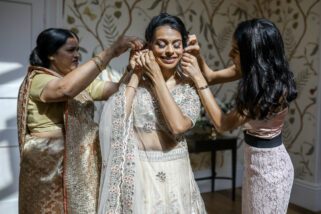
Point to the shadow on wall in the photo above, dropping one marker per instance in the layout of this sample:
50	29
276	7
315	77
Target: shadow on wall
10	160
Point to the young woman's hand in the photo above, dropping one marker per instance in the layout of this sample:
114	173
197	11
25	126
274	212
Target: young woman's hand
190	66
193	46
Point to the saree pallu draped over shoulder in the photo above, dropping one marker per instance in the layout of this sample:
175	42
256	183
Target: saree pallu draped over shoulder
59	175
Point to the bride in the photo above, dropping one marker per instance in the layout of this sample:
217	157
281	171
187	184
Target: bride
146	166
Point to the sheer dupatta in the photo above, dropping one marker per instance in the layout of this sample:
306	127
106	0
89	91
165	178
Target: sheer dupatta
118	168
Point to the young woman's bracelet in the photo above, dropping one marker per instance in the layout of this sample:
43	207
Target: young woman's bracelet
202	88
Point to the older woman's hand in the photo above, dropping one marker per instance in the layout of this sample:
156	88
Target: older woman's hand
123	43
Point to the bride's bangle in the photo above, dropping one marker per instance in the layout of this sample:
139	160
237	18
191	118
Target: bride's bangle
202	88
129	86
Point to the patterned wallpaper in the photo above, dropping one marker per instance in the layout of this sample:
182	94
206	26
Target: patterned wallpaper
100	22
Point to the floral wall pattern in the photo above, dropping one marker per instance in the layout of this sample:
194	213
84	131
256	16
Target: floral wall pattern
99	22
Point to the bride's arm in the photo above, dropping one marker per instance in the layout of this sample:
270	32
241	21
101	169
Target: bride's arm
134	79
131	87
176	121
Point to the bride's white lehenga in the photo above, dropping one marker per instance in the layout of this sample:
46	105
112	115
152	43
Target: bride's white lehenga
146	169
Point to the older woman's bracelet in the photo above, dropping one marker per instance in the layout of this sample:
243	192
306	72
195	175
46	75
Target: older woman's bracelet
98	62
202	88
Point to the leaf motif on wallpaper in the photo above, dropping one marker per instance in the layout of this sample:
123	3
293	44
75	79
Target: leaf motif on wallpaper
295	16
301	80
289	41
224	38
110	28
117	14
87	11
74	30
179	9
291	120
290	10
287	133
193	12
191	15
313	90
155	4
295	25
311	149
82	49
70	20
201	23
214	3
315	50
80	4
208	31
118	4
292	111
241	11
95	2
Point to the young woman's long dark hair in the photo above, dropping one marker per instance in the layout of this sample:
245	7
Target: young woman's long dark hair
48	42
267	85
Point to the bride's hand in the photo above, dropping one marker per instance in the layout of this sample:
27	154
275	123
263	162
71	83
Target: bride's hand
150	66
134	64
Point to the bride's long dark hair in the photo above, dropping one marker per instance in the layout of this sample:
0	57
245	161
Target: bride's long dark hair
267	85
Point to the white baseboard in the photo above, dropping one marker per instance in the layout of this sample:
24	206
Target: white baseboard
307	195
220	184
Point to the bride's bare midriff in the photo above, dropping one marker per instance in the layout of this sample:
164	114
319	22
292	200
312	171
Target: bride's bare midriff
155	140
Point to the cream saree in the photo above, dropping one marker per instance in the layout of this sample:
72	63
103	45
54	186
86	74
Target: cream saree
59	175
146	169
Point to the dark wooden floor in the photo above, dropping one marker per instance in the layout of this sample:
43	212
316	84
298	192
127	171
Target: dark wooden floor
220	202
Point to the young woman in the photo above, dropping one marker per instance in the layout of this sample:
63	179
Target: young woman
265	91
60	155
146	167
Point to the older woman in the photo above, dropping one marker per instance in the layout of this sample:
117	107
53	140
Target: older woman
58	139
